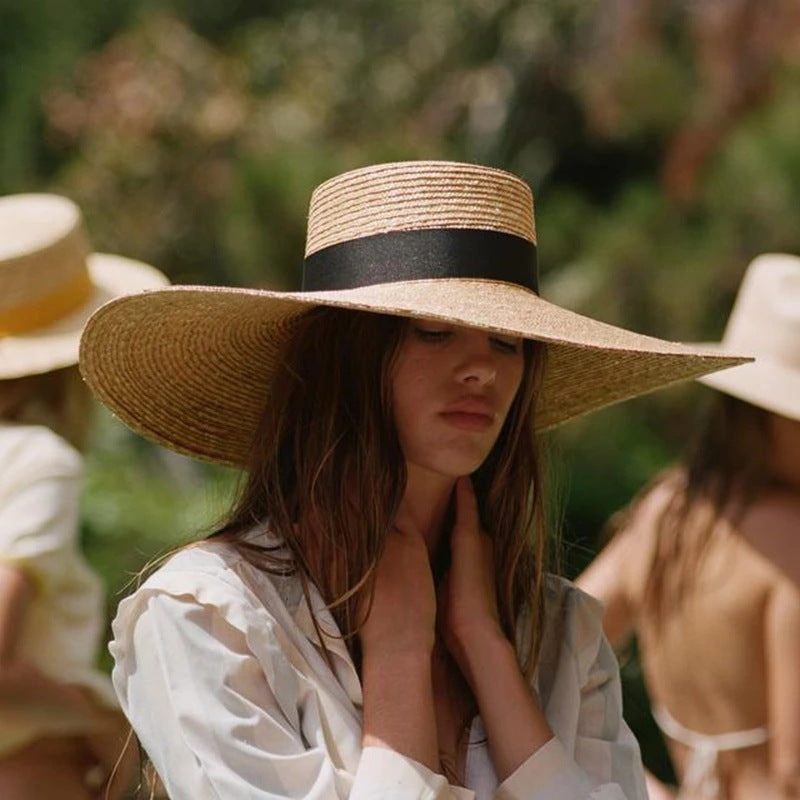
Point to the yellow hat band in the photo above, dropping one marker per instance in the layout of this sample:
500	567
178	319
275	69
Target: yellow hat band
48	308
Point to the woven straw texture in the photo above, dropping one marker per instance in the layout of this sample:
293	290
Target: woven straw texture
416	196
29	275
50	282
190	367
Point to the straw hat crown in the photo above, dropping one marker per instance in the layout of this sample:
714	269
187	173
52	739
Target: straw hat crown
51	282
43	252
416	196
191	367
765	321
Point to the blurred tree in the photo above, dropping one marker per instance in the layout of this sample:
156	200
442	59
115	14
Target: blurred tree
39	42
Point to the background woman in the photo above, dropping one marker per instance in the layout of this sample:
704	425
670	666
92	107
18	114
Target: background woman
61	732
705	566
375	619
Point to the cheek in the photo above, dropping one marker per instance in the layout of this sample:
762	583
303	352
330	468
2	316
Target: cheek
511	381
408	390
409	377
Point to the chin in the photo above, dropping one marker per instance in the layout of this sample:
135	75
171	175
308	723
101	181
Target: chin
455	467
448	460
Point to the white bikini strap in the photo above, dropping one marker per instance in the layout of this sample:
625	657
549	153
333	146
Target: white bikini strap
735	740
700	779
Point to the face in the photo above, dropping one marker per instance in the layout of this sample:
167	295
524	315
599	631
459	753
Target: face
452	388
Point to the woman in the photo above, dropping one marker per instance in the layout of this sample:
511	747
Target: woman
705	567
375	620
61	732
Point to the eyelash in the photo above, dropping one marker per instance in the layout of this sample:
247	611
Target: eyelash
431	336
502	345
505	346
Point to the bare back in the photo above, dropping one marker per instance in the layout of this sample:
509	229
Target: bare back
715	661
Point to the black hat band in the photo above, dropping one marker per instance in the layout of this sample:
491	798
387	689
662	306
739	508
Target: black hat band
422	254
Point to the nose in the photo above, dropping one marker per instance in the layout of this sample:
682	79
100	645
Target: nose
477	365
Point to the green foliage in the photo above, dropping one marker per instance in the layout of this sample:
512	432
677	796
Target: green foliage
141	503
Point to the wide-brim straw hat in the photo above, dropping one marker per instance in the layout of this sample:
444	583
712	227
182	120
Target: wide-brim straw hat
51	282
190	367
765	321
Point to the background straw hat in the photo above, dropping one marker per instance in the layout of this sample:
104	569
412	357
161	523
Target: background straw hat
190	367
50	282
765	321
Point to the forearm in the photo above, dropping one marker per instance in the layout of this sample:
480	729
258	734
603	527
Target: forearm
398	706
56	707
515	725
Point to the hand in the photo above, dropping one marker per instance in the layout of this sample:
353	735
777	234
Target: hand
470	623
468	616
402	615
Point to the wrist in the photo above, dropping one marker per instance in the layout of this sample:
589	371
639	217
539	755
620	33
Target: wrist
391	648
395	656
480	654
398	705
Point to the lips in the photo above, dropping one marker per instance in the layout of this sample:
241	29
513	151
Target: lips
470	413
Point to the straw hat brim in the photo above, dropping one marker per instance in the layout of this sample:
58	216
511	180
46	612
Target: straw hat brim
190	366
55	346
764	383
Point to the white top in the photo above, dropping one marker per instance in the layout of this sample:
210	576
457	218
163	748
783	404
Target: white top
40	484
221	673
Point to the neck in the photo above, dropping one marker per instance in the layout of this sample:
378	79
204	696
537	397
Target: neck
425	502
784	445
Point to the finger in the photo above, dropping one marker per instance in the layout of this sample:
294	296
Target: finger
466	505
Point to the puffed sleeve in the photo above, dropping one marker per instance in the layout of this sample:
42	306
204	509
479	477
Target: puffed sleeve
219	707
40	505
593	755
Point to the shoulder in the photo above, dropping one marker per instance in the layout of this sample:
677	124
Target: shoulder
208	579
205	602
27	450
573	623
621	569
578	615
573	642
634	528
648	507
205	571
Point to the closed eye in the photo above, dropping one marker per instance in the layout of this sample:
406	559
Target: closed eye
504	345
432	334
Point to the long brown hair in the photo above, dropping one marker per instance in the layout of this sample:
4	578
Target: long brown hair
326	473
726	468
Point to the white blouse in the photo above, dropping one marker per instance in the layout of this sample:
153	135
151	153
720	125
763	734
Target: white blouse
40	485
222	675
